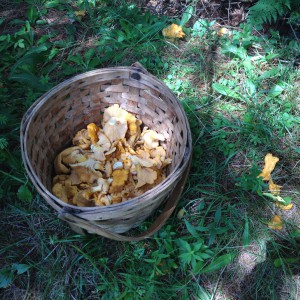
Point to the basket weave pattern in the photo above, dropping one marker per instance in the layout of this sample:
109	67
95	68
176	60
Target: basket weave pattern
52	121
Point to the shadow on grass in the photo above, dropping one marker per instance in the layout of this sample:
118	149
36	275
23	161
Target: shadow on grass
272	278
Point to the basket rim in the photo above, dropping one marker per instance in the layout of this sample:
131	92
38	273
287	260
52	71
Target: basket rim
33	110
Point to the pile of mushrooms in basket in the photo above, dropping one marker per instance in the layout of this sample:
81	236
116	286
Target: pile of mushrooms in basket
111	164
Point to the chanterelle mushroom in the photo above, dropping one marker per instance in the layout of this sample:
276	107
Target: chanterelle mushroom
115	129
101	199
111	164
93	130
159	155
119	179
103	141
134	129
144	162
145	175
59	191
97	152
133	124
114	111
82	139
83	198
151	138
102	185
86	171
65	192
67	157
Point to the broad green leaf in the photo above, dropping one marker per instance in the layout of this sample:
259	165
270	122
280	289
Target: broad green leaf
3	143
246	235
276	90
20	268
219	263
197	245
251	88
3	38
248	65
184	245
212	237
198	267
218	215
234	51
6	277
52	4
279	262
52	53
185	258
191	229
271	56
32	58
200	28
30	80
269	73
296	233
24	193
226	91
89	54
32	13
287	200
202	294
186	16
204	256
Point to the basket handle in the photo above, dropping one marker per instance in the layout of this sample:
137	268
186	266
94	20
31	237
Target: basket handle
156	225
141	68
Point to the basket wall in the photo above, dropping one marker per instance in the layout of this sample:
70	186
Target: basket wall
52	121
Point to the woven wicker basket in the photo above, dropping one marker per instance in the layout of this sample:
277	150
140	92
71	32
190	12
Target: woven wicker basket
51	122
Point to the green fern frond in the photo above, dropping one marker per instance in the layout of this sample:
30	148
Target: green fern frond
3	143
3	119
268	11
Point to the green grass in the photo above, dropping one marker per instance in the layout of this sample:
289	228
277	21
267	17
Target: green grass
240	93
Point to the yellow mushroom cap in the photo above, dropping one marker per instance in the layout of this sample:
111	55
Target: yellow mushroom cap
119	177
173	31
270	162
93	130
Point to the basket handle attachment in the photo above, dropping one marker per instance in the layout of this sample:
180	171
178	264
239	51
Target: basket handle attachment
156	225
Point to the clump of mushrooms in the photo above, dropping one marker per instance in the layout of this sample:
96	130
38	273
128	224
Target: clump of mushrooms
111	164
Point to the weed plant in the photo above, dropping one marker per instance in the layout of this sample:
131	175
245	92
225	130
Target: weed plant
240	93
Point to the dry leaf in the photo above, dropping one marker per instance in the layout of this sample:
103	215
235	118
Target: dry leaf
276	223
270	162
173	31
